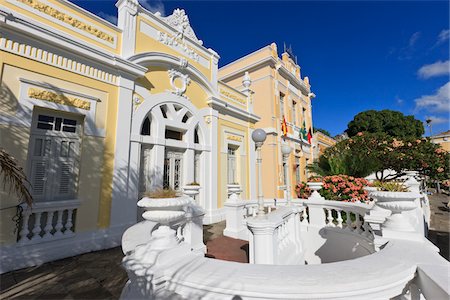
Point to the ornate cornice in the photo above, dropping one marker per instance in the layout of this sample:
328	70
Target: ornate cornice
72	21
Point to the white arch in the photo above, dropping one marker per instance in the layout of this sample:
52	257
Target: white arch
162	60
153	101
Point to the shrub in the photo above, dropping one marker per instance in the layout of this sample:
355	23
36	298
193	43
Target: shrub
339	188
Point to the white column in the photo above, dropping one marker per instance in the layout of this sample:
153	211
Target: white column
122	211
252	165
262	242
127	13
157	166
211	206
188	164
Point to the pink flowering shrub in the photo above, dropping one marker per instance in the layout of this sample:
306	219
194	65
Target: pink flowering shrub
339	188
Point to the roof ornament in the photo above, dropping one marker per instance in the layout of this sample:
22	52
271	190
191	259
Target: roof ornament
180	21
246	81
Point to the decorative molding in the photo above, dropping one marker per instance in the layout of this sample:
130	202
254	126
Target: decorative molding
170	40
41	7
55	60
180	21
233	97
234	138
173	75
58	98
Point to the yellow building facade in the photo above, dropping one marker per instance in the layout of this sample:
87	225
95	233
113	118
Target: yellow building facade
322	142
442	139
97	114
280	93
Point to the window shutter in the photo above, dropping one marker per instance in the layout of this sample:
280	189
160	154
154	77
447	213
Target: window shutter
39	177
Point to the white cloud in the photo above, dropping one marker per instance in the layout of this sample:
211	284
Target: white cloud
443	36
437	120
438	102
407	52
108	17
154	6
437	69
399	101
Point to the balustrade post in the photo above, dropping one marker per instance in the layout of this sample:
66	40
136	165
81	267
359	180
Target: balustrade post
69	223
59	225
263	243
193	230
234	213
49	226
37	226
23	234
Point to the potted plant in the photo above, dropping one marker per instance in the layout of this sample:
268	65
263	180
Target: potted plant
396	197
163	206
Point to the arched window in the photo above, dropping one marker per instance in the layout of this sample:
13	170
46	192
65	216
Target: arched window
146	127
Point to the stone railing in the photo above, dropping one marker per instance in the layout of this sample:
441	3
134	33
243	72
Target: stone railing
47	221
401	269
276	239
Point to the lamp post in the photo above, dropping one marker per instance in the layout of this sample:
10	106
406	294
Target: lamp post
259	136
286	150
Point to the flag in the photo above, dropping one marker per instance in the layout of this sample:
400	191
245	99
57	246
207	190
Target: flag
303	134
284	126
309	135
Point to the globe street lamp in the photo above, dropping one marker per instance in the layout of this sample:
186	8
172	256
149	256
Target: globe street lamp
259	136
286	150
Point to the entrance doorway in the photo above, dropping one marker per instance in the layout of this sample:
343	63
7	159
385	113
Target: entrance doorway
173	173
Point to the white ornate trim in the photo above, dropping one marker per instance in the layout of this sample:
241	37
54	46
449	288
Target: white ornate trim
55	60
180	21
175	42
173	75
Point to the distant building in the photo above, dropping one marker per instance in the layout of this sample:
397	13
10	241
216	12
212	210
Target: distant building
341	137
442	139
280	93
322	142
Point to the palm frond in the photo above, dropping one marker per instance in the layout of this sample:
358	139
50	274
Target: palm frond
14	177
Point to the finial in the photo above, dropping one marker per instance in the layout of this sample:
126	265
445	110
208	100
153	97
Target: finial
246	82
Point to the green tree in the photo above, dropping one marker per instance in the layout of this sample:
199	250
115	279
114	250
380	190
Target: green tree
367	153
326	132
390	122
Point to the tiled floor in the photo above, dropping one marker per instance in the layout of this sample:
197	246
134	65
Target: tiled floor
99	275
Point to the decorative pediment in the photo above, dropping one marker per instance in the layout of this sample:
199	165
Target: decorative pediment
180	21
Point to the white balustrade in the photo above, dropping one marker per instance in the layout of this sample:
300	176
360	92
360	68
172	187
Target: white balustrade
46	221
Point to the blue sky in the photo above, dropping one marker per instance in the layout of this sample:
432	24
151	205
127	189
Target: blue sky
359	55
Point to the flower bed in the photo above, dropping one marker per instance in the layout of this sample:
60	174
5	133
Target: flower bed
339	188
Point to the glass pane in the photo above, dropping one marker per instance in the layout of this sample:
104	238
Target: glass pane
38	147
177	175
70	122
44	126
69	129
44	118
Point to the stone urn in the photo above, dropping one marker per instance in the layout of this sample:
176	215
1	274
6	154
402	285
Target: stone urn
396	202
191	190
164	211
315	187
234	190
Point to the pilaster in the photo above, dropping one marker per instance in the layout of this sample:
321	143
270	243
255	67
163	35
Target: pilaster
127	15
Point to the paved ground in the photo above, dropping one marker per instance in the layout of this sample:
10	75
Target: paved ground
99	275
439	229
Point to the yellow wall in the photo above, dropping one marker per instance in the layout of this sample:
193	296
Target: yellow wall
265	80
97	153
145	43
61	7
